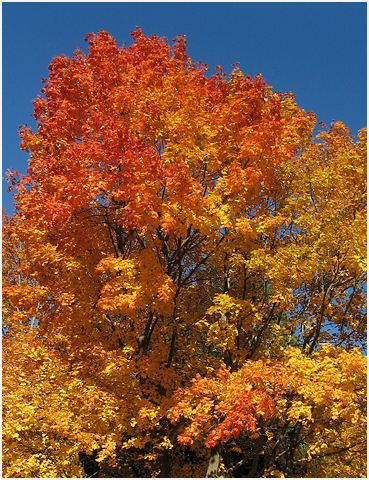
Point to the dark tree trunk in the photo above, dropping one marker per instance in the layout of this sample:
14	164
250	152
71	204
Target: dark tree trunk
163	463
89	464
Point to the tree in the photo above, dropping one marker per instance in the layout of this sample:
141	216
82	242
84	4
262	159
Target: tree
184	276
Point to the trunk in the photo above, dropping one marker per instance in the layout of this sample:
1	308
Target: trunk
255	461
294	440
89	464
163	463
213	462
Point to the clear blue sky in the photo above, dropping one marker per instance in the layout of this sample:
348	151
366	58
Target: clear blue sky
316	50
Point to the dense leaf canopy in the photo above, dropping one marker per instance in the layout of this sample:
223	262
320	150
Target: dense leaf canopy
184	276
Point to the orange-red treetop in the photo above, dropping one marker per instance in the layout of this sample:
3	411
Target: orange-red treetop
122	123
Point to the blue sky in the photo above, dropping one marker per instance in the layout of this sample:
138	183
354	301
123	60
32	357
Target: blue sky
316	50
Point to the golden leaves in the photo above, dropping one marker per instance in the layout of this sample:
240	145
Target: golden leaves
169	224
135	284
313	392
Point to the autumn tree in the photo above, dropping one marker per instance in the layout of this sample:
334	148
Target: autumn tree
184	276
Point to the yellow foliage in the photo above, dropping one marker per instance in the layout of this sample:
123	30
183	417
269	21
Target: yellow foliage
183	277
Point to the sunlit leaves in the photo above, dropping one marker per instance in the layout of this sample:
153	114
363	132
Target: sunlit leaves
184	275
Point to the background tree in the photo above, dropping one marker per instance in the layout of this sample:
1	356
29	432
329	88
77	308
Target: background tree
184	276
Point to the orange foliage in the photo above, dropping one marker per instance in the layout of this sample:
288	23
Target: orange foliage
184	276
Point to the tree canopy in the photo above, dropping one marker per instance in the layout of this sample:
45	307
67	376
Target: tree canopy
183	276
